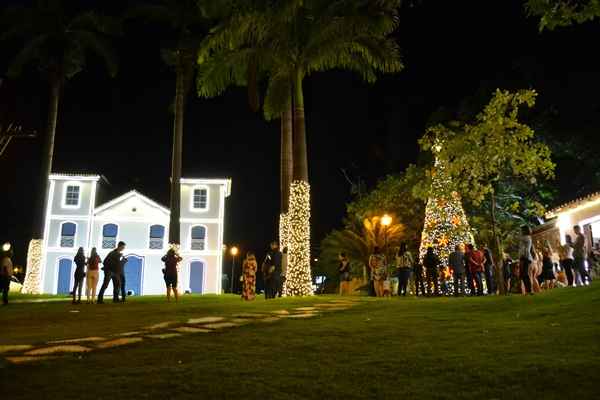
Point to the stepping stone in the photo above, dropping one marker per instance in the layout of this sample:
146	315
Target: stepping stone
280	312
240	321
305	308
82	340
163	335
304	315
337	309
326	305
250	315
269	319
189	329
125	334
205	320
161	325
118	342
7	348
221	325
26	359
73	348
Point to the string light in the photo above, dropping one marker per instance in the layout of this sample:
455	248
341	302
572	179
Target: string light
298	276
446	222
284	228
31	285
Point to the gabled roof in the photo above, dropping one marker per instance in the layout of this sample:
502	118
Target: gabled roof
128	195
210	181
584	201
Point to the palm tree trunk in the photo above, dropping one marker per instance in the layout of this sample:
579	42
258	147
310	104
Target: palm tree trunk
287	166
48	152
499	259
300	161
175	203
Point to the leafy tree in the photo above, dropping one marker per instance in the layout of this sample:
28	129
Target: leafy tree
189	21
560	13
495	147
357	240
57	41
298	38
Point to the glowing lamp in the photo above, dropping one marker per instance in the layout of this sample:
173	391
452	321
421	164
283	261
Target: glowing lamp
234	251
386	220
6	246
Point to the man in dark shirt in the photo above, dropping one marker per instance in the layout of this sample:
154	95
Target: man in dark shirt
273	274
112	269
456	261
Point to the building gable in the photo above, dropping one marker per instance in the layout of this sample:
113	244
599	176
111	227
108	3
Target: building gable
132	205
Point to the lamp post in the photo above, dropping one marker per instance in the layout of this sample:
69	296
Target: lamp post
386	221
233	251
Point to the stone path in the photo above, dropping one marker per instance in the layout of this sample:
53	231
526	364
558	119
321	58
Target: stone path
27	353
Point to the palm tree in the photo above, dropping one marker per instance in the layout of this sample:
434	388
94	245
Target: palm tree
57	42
296	38
189	21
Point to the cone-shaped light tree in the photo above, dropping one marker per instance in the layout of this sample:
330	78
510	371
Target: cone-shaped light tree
445	223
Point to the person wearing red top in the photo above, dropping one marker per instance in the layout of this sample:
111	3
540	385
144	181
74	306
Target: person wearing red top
171	259
477	266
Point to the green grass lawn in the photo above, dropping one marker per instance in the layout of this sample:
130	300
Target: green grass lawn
538	347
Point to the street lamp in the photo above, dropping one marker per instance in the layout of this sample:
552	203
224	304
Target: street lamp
233	251
6	246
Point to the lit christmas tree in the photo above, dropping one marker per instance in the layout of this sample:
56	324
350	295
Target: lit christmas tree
446	223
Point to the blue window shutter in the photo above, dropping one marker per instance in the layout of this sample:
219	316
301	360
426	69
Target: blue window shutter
68	229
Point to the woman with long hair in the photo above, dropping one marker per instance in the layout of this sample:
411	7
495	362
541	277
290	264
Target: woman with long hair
344	271
377	264
93	263
171	259
548	276
79	275
249	274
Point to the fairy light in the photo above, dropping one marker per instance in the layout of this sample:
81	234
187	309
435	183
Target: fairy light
298	277
32	281
284	228
445	224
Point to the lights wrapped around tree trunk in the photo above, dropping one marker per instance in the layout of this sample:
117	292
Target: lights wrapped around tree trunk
284	228
33	276
298	277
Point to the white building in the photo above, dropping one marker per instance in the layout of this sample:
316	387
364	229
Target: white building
74	220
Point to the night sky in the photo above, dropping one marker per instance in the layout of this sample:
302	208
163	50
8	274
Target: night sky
122	128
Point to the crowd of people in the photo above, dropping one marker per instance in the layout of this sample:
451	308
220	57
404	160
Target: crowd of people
471	270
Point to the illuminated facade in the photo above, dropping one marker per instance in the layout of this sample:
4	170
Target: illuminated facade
74	220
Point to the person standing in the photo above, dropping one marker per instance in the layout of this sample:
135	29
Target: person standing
419	278
566	259
431	263
580	254
548	276
468	275
456	262
377	265
171	259
489	270
344	271
249	275
111	264
477	267
284	266
272	271
507	270
91	274
123	282
404	262
78	275
6	268
525	258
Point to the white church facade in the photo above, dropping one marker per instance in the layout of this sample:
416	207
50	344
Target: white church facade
74	220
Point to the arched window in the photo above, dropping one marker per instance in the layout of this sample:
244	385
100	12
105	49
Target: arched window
198	238
157	237
109	236
67	234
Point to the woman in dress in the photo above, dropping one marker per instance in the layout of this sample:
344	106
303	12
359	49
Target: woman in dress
567	261
547	266
344	270
249	274
377	264
79	275
91	274
171	259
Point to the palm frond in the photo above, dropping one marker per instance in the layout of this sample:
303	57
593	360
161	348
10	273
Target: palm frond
28	54
99	46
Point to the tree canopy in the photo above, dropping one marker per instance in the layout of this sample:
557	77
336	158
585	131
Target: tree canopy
561	13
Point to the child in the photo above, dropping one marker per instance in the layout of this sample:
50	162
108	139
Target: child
387	287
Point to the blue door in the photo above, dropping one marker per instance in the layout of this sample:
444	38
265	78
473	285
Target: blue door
64	276
196	276
133	274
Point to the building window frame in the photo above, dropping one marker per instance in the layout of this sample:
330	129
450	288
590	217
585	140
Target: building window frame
65	195
67	241
198	244
193	207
